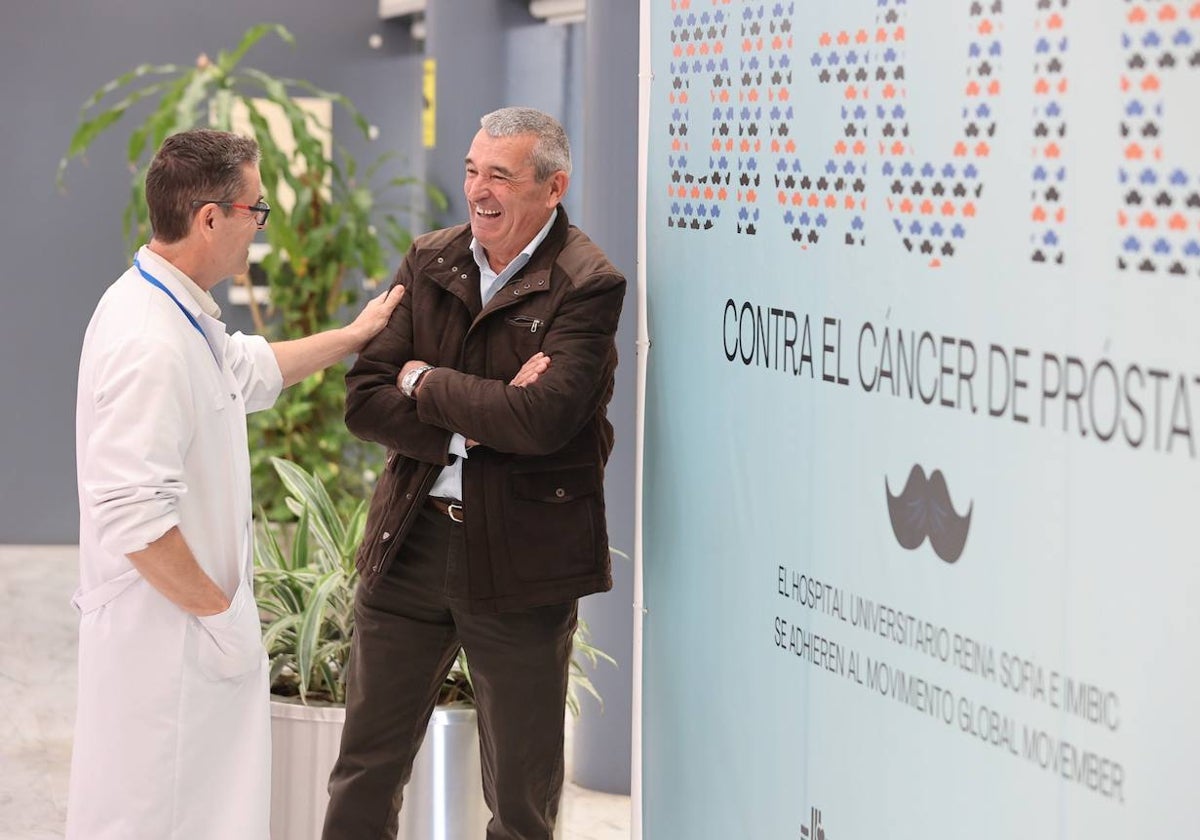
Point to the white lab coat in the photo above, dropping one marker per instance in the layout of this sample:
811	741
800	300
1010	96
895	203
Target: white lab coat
172	738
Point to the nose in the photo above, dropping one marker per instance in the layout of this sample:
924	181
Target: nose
476	188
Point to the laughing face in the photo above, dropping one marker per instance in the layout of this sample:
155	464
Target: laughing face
508	205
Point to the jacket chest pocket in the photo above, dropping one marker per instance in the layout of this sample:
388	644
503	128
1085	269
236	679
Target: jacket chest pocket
514	340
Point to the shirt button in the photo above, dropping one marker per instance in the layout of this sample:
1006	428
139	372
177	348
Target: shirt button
233	397
560	492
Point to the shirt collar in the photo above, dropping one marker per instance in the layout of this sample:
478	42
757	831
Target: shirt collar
520	259
206	302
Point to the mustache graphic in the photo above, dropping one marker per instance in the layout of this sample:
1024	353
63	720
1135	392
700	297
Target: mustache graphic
923	509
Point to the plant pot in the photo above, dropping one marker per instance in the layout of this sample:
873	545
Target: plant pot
442	801
304	746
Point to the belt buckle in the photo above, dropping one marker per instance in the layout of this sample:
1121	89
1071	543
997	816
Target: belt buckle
451	508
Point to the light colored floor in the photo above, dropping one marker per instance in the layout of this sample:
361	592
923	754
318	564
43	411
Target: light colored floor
37	705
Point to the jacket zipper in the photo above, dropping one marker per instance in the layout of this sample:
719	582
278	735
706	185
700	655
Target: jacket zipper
526	321
405	524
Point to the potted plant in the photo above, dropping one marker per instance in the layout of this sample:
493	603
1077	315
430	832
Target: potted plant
304	582
328	219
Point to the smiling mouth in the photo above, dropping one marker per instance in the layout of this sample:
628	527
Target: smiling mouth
489	214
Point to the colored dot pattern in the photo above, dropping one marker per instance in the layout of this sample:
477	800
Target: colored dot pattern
698	47
1049	131
933	203
1160	216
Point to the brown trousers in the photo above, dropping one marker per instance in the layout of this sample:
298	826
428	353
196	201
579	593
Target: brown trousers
405	641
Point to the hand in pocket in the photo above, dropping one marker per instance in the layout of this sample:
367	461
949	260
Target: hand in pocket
230	643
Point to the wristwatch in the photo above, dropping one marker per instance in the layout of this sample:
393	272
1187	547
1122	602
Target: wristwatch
408	385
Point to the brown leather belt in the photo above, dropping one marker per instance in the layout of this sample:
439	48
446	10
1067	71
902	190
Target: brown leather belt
449	507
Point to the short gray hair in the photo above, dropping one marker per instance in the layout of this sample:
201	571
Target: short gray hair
551	153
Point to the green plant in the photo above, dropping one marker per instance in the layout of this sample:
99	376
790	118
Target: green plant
327	233
305	583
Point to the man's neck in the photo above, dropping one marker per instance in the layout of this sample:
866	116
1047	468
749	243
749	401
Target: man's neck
184	258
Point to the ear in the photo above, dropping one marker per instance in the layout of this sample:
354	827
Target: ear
205	220
558	188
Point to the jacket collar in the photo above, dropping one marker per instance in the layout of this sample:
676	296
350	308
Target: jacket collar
453	268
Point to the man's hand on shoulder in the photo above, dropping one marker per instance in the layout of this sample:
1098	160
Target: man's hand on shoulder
374	316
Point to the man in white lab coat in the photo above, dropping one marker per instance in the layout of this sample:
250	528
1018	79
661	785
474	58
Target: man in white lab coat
172	739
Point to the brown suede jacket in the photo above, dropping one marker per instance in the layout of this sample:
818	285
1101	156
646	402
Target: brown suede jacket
533	493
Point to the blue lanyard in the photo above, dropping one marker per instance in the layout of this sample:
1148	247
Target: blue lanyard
154	281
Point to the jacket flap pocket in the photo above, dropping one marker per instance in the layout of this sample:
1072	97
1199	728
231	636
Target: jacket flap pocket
560	485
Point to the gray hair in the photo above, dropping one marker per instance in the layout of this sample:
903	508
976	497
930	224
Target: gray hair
551	153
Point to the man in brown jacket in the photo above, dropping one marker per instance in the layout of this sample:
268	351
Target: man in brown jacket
488	387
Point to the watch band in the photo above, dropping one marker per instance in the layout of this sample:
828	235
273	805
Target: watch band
408	386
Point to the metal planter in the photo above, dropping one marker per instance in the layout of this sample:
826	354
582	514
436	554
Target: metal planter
442	801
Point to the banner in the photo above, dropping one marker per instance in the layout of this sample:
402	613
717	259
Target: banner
922	424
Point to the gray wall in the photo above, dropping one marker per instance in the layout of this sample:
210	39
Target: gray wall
60	251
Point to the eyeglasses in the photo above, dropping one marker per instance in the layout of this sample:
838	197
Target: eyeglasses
260	210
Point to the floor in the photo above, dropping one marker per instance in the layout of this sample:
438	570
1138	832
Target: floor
37	705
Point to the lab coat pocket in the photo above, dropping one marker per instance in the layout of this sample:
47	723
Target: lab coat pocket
230	643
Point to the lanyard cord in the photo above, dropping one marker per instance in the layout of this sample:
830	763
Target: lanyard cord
154	281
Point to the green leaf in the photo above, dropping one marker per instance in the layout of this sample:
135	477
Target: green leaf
227	61
126	78
311	620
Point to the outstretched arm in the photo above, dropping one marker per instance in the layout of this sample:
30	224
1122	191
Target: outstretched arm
302	357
